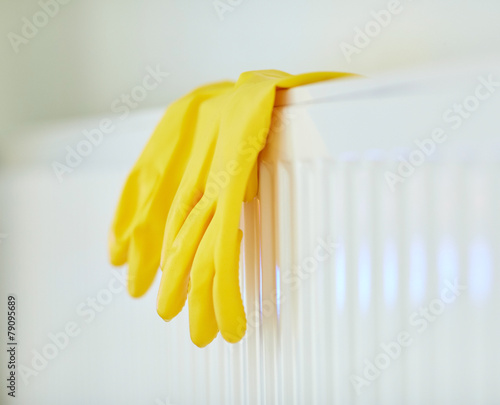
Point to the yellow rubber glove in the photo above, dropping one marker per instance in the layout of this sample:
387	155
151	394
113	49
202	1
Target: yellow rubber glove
137	231
200	256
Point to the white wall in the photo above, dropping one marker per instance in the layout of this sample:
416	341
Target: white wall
93	51
54	259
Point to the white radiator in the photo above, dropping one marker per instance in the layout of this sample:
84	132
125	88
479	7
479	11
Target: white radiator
389	292
360	287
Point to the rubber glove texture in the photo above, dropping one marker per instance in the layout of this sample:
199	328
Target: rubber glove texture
201	244
136	234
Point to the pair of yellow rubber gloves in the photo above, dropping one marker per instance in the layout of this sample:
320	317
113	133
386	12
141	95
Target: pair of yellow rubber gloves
181	204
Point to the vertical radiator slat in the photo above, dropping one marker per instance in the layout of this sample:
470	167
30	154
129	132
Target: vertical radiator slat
315	324
447	270
271	352
322	278
251	365
288	334
339	362
299	246
492	310
417	209
388	284
362	260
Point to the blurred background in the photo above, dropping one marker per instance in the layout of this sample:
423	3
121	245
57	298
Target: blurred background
68	65
88	54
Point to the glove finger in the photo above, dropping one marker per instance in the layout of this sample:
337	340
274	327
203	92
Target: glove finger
197	175
144	178
186	199
144	260
143	249
202	322
147	240
138	188
229	310
178	260
118	252
165	155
